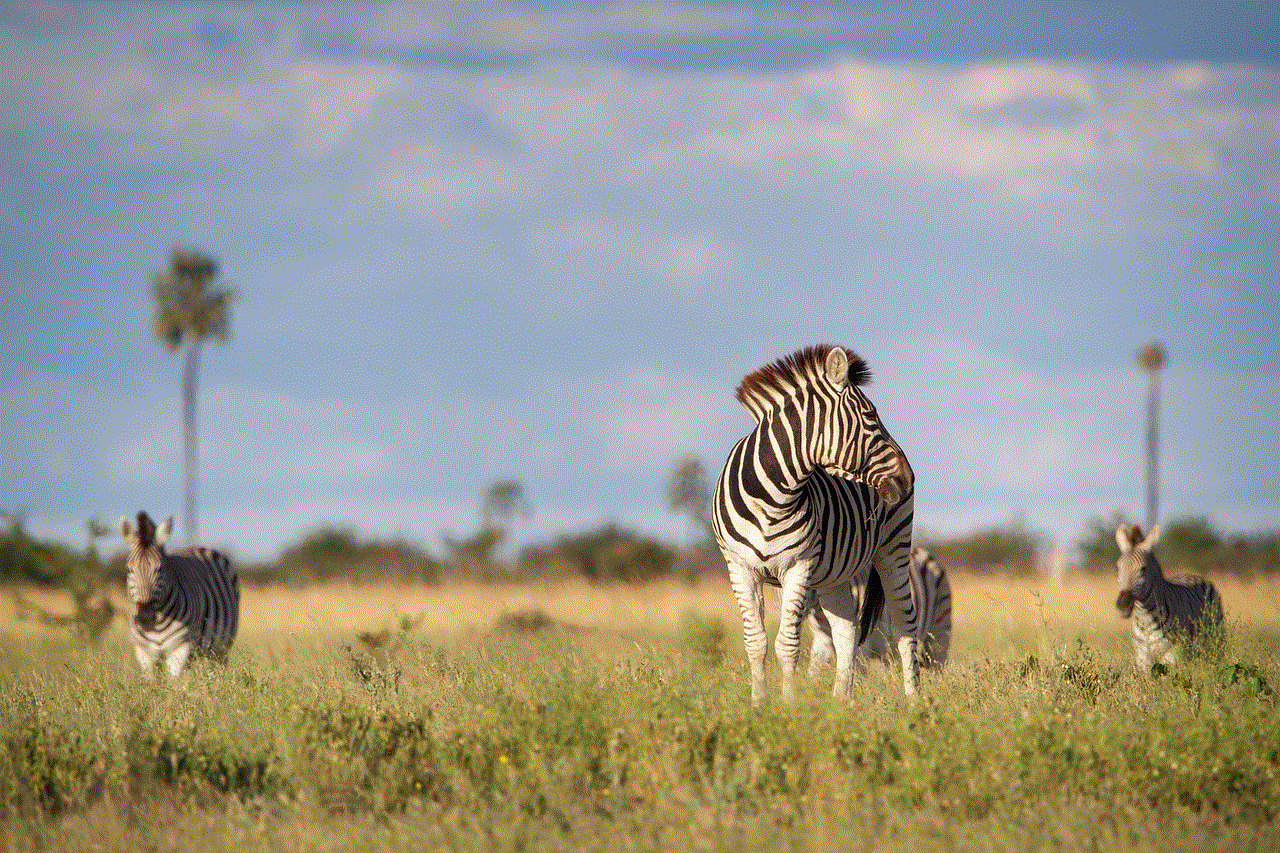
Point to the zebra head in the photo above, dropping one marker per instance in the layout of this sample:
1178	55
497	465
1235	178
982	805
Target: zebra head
818	390
1137	568
859	447
146	554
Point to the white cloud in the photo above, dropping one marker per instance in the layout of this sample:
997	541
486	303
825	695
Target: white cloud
649	417
614	253
998	139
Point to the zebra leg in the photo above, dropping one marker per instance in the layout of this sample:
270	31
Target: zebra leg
823	651
749	592
787	644
177	659
146	660
841	611
895	570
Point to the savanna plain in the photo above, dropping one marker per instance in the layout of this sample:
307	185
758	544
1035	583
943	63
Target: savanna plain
567	716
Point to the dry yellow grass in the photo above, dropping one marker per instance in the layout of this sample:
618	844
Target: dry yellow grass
633	725
995	615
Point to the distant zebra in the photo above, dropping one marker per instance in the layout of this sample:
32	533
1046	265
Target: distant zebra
814	497
933	604
182	602
1164	610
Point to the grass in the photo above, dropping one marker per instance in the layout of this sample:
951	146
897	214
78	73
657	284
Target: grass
573	716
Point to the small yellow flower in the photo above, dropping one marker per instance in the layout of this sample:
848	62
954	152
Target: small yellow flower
502	759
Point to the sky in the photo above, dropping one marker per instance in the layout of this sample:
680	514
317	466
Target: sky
544	241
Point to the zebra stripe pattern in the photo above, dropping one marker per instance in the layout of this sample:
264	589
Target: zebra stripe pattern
933	637
183	602
813	498
1164	610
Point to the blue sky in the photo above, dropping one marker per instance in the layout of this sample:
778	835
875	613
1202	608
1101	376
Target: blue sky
545	241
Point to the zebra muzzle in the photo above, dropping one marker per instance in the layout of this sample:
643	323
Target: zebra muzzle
145	616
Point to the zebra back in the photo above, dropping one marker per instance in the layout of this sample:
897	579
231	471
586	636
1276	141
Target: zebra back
1189	604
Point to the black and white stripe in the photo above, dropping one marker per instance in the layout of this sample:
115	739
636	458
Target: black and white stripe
933	637
183	602
812	499
1164	610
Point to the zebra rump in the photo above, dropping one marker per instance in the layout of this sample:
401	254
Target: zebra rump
183	602
931	591
1164	610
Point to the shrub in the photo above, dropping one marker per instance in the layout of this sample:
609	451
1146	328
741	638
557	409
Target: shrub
608	554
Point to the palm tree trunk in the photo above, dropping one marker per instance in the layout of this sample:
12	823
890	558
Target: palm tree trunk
189	450
1153	447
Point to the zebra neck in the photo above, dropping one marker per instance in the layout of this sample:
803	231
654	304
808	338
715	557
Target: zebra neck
783	456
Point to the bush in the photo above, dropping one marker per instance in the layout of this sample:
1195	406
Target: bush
1013	549
27	560
608	554
337	553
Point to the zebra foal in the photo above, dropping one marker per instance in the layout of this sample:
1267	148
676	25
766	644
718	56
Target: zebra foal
931	592
1164	610
812	499
183	602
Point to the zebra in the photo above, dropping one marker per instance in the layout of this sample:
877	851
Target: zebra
933	635
182	602
1163	610
813	498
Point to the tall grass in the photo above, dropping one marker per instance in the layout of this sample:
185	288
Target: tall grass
583	717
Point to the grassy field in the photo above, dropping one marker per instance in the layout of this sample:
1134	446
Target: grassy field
574	716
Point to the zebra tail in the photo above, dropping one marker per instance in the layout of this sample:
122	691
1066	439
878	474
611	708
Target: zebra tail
872	606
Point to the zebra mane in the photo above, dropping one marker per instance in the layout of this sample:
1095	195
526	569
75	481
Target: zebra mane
146	530
764	389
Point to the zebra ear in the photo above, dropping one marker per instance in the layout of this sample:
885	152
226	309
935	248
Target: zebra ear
1152	538
125	530
837	367
163	531
1123	540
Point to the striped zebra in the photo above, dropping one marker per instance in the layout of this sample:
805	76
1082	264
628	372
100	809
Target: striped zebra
933	604
1164	610
182	602
813	498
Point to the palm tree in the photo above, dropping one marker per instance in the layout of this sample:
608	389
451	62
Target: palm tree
188	310
1152	358
689	493
503	502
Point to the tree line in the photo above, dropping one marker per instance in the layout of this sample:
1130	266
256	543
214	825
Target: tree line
608	553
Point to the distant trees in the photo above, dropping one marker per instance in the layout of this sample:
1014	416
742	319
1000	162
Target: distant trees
1011	549
188	310
609	553
1186	545
332	553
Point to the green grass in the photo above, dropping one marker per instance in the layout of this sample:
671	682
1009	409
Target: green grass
539	735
